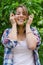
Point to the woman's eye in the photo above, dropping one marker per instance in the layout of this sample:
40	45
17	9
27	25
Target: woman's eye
24	14
18	14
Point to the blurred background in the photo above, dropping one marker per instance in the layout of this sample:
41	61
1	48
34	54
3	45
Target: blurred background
34	7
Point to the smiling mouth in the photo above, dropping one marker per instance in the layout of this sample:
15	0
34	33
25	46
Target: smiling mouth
21	20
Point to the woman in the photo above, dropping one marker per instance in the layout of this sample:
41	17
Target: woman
21	42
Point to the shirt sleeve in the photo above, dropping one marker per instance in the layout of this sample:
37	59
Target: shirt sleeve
36	33
6	41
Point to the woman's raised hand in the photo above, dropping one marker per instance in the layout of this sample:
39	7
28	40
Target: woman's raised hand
13	18
13	34
30	19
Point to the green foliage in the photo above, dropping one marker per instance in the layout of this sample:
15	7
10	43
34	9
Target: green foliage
33	6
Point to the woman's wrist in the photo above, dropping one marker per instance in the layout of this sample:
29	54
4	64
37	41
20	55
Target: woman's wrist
28	32
13	31
28	28
14	25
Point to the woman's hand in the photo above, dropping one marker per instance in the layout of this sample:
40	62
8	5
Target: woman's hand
13	33
13	18
30	19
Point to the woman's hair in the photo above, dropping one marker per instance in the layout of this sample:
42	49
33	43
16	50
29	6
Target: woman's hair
25	11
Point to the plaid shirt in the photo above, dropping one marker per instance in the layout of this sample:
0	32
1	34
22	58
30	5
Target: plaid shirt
10	44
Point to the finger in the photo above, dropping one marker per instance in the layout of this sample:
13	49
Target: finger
11	14
31	16
15	19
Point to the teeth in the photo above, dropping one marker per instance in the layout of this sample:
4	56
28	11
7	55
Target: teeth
20	20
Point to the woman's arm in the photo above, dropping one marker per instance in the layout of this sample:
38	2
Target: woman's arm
32	38
10	39
6	41
13	32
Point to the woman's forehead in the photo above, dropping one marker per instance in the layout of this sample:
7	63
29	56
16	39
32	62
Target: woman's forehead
19	9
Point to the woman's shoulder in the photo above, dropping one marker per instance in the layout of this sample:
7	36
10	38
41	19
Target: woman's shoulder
35	30
6	30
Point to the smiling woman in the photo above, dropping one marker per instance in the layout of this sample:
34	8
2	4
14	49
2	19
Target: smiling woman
21	14
21	48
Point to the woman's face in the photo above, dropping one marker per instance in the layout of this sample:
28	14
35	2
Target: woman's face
21	16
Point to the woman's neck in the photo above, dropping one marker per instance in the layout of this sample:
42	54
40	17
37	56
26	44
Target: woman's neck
21	30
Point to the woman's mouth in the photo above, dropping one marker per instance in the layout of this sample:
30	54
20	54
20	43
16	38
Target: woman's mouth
21	20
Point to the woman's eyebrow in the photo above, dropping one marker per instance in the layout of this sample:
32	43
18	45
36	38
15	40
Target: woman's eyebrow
17	12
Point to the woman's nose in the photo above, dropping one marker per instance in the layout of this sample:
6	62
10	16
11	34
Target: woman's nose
21	14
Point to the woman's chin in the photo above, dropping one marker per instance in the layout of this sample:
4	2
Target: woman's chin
20	23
